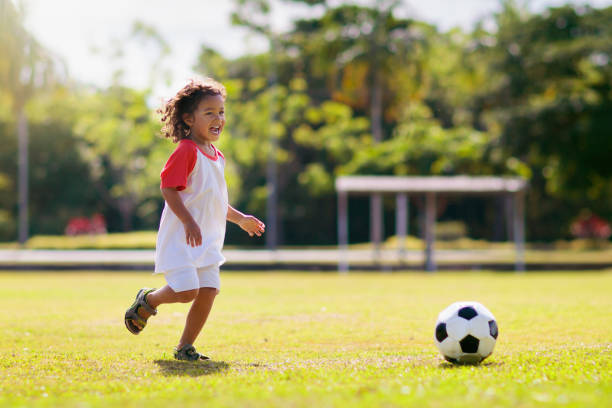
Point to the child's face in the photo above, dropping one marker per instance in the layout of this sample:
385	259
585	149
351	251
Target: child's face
207	121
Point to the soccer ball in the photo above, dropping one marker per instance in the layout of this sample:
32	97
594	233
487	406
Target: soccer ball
466	333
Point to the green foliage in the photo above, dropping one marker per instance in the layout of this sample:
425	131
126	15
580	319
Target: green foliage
118	240
310	141
421	146
59	180
353	90
350	46
551	105
8	200
119	139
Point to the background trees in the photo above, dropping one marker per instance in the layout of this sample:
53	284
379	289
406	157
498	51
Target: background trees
352	90
25	68
549	109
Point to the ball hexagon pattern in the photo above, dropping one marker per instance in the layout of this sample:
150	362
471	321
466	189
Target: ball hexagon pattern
466	333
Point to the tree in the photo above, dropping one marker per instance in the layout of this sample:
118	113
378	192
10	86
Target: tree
549	101
119	139
311	140
25	66
254	14
359	50
60	184
119	136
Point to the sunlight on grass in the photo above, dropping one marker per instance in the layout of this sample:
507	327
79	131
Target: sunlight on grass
117	240
304	340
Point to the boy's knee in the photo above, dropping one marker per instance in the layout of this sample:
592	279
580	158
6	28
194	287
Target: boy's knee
187	295
209	291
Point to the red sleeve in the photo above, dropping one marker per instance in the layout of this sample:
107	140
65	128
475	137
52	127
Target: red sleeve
179	166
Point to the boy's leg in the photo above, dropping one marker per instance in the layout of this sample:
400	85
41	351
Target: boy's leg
166	295
198	313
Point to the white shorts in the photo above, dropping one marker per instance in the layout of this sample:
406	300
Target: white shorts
190	278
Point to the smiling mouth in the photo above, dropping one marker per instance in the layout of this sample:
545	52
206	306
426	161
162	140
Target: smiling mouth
214	130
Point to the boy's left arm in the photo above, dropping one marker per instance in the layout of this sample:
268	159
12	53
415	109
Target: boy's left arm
247	222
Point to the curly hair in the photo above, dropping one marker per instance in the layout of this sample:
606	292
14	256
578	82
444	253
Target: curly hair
186	101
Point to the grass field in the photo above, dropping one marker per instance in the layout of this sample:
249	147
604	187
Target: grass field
306	340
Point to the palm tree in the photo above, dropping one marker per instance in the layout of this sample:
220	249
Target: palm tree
255	15
357	40
24	67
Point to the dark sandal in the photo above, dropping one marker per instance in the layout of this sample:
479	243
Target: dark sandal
189	353
132	316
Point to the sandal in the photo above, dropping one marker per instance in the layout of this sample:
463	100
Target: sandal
131	315
189	353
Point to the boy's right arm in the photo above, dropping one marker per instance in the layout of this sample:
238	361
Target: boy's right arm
193	236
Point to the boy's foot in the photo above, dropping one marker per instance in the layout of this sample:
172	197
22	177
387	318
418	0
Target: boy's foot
137	315
189	353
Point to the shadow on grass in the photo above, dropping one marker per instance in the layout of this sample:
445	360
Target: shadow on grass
191	368
450	366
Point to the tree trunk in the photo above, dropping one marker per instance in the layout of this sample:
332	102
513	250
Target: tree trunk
22	178
272	221
376	108
126	210
272	198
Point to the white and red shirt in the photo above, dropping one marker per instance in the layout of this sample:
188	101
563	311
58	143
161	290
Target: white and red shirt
200	180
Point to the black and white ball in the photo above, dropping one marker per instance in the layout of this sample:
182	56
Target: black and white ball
466	333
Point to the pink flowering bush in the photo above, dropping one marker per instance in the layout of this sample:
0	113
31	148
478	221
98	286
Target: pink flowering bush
591	226
84	225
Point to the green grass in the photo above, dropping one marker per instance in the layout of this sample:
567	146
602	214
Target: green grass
117	240
146	240
306	340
